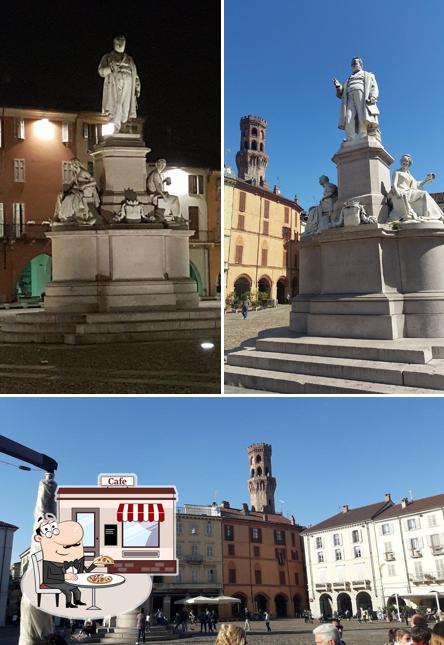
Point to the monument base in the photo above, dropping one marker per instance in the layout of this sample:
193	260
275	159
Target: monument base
119	269
371	282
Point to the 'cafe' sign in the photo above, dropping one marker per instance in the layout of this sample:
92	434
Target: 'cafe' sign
114	480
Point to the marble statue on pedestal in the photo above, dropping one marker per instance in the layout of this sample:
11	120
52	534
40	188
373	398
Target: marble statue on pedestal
165	205
353	213
408	199
78	203
121	86
131	210
358	94
319	216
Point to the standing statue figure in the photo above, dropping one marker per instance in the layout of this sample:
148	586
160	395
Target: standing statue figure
121	87
359	112
319	216
164	204
409	201
79	201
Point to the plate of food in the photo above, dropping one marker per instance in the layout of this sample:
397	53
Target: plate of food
103	560
99	579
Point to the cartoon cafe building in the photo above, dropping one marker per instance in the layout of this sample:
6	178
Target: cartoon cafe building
134	525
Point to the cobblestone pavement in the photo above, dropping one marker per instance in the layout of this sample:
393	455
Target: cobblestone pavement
296	632
240	332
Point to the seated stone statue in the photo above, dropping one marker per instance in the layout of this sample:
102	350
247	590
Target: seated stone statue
319	217
165	205
131	210
408	199
77	203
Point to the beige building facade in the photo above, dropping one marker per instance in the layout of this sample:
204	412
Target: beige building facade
261	228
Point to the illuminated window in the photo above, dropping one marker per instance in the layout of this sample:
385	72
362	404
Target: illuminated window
66	132
18	219
20	129
195	185
19	170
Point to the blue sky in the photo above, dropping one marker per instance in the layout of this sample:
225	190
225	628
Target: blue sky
280	58
326	452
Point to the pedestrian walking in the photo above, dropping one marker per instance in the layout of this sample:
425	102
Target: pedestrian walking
148	623
203	621
245	309
141	626
347	614
214	620
267	621
247	620
208	620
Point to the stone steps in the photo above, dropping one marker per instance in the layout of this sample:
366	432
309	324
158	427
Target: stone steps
309	365
118	327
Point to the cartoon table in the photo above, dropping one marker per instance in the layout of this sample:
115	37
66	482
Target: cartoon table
83	582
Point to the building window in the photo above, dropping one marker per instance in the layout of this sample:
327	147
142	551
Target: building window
20	129
193	530
338	554
93	135
436	542
391	571
294	555
265	229
293	539
209	550
418	570
238	254
320	556
2	220
264	258
336	539
229	532
296	578
211	575
18	219
266	209
282	578
257	551
66	132
258	576
231	549
193	221
242	201
90	166
194	551
386	529
432	521
232	576
411	524
195	184
414	544
209	529
179	550
319	543
279	537
355	536
19	170
179	528
241	222
280	556
286	215
256	535
357	552
439	569
193	575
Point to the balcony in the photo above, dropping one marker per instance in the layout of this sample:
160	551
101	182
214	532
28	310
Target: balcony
423	578
341	586
323	586
193	559
361	584
437	549
415	553
389	556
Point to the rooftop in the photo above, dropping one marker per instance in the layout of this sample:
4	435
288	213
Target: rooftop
414	506
5	525
351	516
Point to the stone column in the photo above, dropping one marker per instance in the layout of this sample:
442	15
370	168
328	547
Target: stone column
167	606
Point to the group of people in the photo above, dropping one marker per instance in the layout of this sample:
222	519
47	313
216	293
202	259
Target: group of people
265	616
418	633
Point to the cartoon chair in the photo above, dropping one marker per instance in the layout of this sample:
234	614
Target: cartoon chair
40	588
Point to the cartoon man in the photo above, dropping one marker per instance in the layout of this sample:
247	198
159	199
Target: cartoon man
62	551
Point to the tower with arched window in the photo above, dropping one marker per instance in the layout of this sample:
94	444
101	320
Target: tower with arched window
261	483
251	159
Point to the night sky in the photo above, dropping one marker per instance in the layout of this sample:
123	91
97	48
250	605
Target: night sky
51	50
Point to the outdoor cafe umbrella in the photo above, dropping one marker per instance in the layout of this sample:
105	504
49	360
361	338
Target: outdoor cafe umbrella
221	600
203	600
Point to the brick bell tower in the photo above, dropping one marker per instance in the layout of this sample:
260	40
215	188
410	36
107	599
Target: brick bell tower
251	159
261	484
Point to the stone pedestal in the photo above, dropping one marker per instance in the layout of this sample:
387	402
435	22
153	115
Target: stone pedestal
363	174
119	164
120	269
372	282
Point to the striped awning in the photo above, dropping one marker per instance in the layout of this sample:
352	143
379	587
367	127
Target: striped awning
140	513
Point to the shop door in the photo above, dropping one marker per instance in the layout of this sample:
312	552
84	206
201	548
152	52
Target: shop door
89	519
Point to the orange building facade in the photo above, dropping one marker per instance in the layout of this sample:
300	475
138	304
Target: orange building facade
35	146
